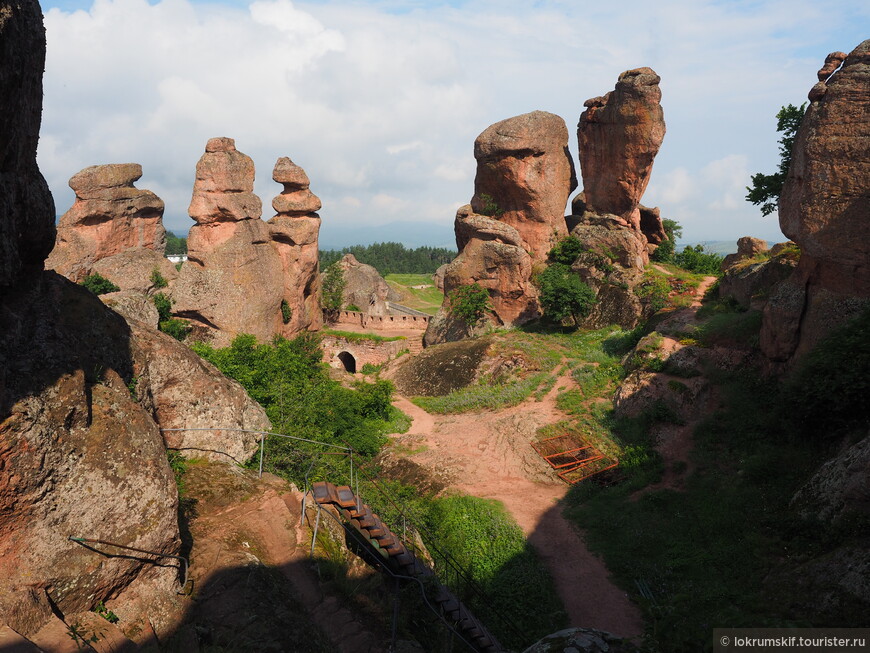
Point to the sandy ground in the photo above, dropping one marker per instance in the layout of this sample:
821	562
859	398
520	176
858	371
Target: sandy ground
488	454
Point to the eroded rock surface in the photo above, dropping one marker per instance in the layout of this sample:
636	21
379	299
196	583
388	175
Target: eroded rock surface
232	280
364	287
112	228
747	248
619	135
525	174
824	209
294	231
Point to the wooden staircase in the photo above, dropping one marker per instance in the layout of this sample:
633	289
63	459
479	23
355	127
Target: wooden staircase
403	562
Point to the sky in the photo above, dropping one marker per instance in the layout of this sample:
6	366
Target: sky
380	101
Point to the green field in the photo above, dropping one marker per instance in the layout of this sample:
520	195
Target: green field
427	300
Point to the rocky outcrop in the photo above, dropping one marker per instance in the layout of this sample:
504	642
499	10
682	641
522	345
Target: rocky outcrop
838	487
582	640
180	390
113	228
619	135
364	287
524	177
438	277
750	281
26	206
525	174
823	208
747	248
294	232
79	455
491	255
232	280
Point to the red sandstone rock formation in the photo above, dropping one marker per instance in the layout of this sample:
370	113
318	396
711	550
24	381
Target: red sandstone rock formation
294	232
619	135
79	456
232	280
747	247
364	287
525	170
112	228
824	208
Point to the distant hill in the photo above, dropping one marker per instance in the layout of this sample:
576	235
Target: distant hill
410	234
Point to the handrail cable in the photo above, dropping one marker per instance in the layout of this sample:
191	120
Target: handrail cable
184	567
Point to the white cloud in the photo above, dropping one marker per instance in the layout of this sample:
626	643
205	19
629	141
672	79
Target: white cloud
382	108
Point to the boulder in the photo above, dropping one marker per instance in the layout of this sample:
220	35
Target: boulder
364	287
294	231
619	135
111	217
492	256
80	457
26	207
839	486
232	281
651	225
747	248
582	640
823	208
180	390
750	282
132	305
438	277
525	174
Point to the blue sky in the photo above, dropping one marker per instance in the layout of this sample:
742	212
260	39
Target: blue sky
380	102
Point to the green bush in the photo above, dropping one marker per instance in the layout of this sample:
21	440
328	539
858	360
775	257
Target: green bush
157	279
469	303
566	250
286	312
332	291
563	294
653	291
490	208
665	251
98	284
352	307
695	259
178	329
164	306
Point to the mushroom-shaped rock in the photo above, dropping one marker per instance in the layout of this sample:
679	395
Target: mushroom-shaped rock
112	228
619	136
223	190
524	177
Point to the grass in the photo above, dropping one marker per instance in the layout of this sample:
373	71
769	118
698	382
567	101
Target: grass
428	300
480	396
351	336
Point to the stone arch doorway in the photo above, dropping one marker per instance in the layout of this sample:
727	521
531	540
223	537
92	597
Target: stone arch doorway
348	361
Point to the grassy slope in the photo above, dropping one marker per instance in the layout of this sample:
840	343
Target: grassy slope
427	300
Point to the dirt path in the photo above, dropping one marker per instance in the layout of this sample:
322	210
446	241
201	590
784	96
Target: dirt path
487	454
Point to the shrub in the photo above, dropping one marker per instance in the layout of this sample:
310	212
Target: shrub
696	259
654	291
490	208
98	284
566	250
157	279
164	306
563	294
178	329
286	312
469	303
352	307
665	251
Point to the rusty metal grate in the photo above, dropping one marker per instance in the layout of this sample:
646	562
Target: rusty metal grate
573	459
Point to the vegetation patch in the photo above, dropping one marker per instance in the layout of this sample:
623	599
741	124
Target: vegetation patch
352	336
98	284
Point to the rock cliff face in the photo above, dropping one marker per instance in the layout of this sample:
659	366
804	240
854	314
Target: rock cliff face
824	209
231	282
524	177
294	232
79	455
619	135
113	228
26	205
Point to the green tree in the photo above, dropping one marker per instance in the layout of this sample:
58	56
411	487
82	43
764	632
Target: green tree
566	250
98	284
175	246
563	294
695	259
766	189
665	251
469	303
332	292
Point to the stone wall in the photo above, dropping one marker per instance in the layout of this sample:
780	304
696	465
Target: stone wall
365	351
381	322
